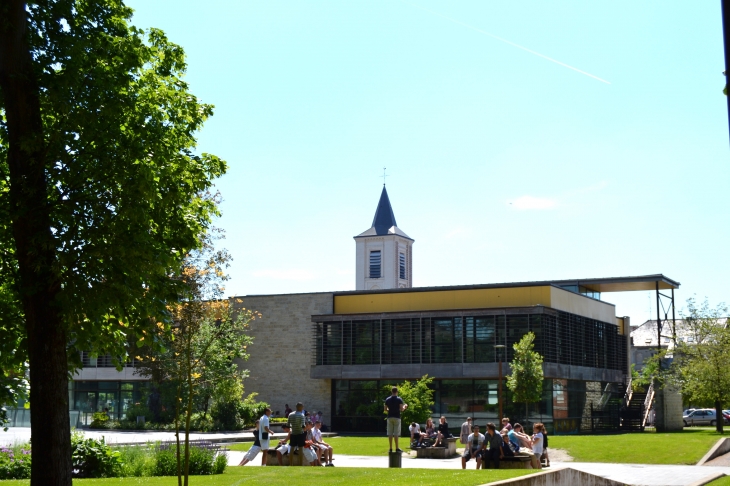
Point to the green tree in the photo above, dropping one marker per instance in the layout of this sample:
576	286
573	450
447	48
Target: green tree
525	380
700	367
101	193
200	349
419	397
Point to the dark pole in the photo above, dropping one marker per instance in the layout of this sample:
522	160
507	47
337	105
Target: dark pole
674	322
658	322
500	389
499	348
725	26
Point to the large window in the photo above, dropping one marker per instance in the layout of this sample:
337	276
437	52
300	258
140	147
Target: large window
559	337
375	264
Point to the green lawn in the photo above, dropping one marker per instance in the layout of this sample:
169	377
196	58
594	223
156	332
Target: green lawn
235	476
686	447
720	482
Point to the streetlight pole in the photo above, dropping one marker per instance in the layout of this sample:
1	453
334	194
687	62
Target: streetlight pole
499	348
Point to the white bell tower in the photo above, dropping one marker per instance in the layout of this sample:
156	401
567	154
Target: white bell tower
384	252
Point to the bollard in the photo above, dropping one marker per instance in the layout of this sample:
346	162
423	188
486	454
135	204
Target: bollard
394	459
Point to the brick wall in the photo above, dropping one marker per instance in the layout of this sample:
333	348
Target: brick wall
281	353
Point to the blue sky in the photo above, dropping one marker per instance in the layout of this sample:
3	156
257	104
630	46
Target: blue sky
503	165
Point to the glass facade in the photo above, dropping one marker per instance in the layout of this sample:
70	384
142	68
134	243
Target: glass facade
566	407
88	397
561	337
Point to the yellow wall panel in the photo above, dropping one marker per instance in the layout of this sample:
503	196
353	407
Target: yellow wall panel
442	300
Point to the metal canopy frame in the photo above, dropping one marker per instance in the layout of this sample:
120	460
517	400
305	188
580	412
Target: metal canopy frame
664	303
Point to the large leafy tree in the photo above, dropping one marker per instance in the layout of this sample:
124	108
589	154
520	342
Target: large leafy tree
700	367
525	380
101	193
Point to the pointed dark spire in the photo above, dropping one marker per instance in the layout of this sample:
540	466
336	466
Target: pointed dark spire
384	218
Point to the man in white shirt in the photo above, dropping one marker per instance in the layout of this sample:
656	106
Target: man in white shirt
265	434
474	448
323	446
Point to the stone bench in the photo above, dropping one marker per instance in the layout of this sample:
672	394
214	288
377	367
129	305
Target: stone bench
518	461
438	452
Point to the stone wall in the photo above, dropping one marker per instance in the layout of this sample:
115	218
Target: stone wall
281	353
668	410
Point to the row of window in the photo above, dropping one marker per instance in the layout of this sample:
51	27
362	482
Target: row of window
376	265
565	339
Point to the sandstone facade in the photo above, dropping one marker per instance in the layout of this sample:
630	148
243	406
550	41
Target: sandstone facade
283	336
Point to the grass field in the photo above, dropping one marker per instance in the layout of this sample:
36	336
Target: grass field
720	482
236	476
686	447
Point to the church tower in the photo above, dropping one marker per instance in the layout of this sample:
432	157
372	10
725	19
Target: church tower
384	256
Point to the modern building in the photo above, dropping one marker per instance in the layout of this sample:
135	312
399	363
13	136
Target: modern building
336	351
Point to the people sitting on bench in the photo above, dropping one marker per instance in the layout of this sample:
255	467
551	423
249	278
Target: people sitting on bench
442	432
430	430
416	435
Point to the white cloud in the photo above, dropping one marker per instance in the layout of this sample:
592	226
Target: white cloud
531	202
291	274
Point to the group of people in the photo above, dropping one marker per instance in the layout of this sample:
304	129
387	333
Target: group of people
496	445
303	443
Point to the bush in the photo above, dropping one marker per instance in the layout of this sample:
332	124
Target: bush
137	410
227	415
99	420
220	463
199	421
92	458
137	461
249	410
15	462
202	461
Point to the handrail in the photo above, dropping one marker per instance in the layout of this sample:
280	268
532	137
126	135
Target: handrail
629	393
647	404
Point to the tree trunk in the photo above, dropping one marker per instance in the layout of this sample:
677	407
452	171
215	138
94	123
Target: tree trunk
718	415
35	252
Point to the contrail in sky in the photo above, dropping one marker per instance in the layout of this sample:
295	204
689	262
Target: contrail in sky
506	41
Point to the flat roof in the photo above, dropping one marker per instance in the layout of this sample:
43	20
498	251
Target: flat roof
608	284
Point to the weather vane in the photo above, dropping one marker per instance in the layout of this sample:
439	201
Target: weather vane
384	176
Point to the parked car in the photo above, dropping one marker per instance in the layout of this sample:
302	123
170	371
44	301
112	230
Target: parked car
688	411
726	413
703	416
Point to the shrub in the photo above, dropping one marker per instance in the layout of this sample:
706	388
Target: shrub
249	409
92	458
203	461
99	420
199	421
137	461
137	410
220	464
227	415
15	462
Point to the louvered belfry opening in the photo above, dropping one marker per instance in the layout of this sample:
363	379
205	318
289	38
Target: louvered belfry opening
402	258
375	258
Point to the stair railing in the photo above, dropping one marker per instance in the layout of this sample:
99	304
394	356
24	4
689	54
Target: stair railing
629	393
647	403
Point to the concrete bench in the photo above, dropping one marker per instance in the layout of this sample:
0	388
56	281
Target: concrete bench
438	452
518	461
271	459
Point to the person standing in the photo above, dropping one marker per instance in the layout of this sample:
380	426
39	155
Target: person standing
394	405
265	434
296	421
494	454
465	431
287	410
